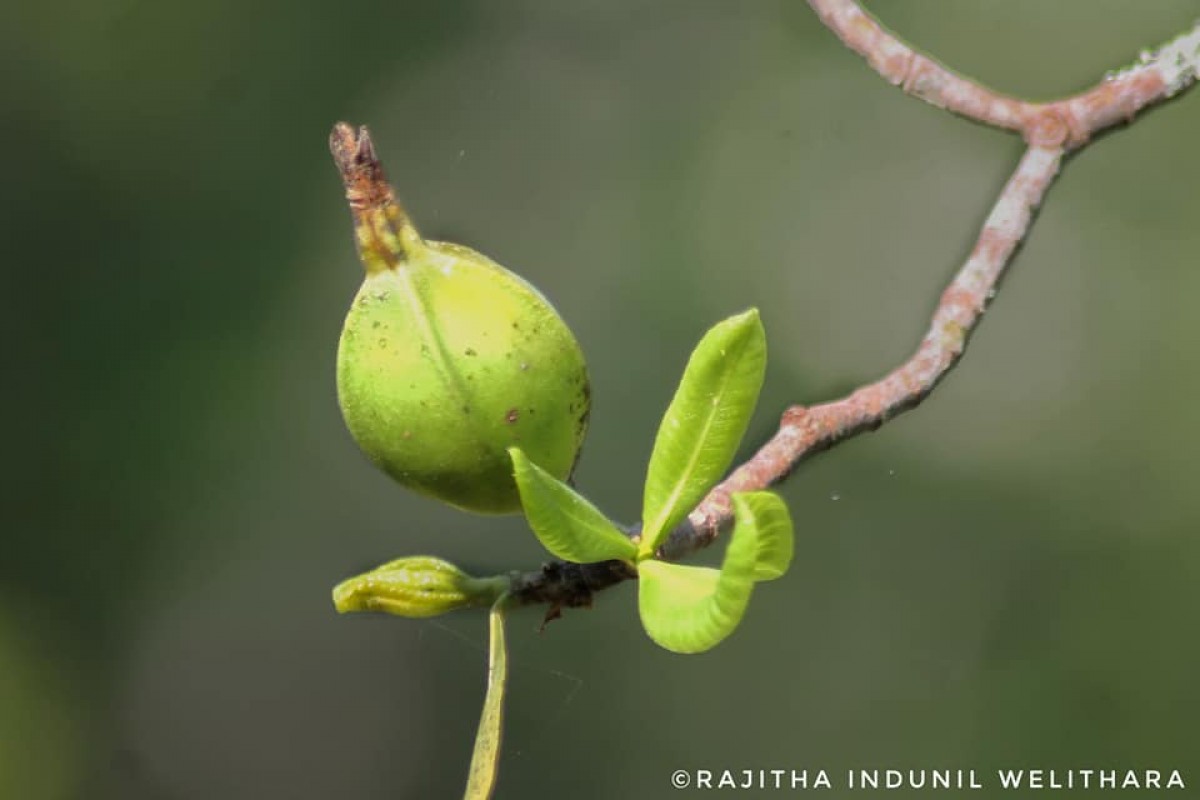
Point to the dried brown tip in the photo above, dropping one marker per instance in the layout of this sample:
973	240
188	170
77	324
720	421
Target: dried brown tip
362	173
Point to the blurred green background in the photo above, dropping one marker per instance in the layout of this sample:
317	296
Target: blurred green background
1005	577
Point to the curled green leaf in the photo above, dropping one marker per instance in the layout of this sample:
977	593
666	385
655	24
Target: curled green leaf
416	586
485	759
692	609
704	424
563	520
769	515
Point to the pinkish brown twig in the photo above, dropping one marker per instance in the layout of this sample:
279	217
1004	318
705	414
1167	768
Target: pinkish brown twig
803	432
1051	129
1070	122
917	74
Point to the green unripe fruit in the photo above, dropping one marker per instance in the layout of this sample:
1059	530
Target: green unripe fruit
447	359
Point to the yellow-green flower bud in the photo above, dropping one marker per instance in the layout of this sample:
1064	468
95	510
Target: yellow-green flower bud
447	359
417	586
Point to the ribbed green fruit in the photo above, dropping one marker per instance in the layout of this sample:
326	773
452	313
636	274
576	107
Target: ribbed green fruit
447	359
416	586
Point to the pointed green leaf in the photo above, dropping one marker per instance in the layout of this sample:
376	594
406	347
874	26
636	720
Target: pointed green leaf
565	522
485	759
704	424
691	609
767	512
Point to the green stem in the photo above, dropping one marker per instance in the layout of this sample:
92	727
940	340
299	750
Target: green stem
485	760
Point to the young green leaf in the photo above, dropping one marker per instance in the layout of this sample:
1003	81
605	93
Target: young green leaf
691	609
769	515
700	432
565	522
485	759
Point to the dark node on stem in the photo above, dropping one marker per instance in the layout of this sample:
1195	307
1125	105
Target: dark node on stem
561	584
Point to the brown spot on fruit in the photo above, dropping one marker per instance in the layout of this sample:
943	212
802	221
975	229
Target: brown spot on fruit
512	415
